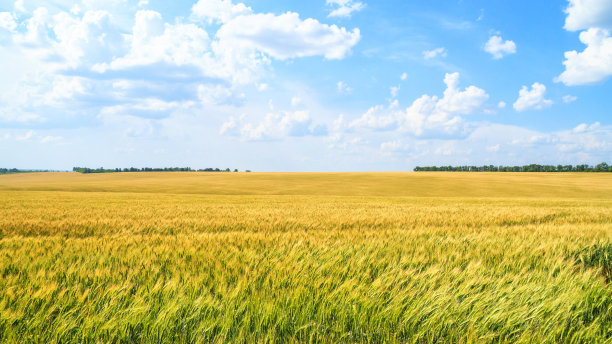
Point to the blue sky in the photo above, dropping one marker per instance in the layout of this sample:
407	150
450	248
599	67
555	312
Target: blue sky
330	85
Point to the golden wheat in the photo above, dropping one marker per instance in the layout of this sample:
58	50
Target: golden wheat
396	257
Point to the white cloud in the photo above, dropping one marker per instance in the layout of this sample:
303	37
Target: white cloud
592	65
394	91
87	59
499	144
144	108
37	30
218	11
584	139
19	6
274	126
28	135
219	95
286	36
343	88
482	15
344	8
11	114
583	127
460	102
339	124
532	99
92	39
391	145
377	118
567	145
296	101
432	54
230	127
7	21
494	148
48	139
404	76
569	98
498	48
585	14
152	42
121	118
428	115
580	128
76	10
501	105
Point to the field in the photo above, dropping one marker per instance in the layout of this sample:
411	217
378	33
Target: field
306	257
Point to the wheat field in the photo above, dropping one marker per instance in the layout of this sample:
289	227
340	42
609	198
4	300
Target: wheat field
306	257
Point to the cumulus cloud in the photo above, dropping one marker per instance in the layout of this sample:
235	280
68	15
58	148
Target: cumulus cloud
274	126
154	42
498	48
343	88
287	36
585	14
7	21
218	11
49	138
460	102
584	127
145	108
532	99
494	148
569	98
584	140
344	8
220	95
87	59
377	118
432	54
427	114
394	91
90	39
498	144
579	144
28	135
130	126
592	65
19	6
38	28
296	101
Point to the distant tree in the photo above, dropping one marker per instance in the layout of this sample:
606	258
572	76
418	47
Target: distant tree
603	167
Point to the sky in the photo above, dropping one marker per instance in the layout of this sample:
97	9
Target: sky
321	85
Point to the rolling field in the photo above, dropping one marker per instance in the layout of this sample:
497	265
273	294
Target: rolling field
306	257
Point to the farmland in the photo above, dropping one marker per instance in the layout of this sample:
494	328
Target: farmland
306	257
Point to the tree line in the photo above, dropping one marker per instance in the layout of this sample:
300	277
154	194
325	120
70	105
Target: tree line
149	169
603	167
16	170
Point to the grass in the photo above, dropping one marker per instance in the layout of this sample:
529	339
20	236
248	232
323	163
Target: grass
339	257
